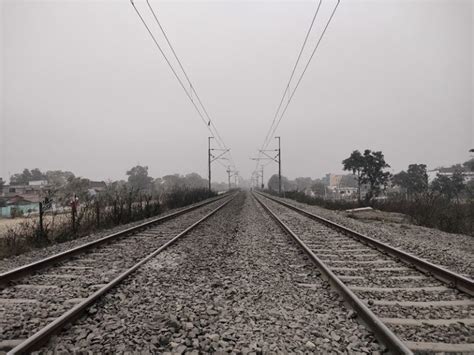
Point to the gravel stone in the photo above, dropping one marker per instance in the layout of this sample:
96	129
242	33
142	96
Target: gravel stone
38	254
238	280
86	272
364	266
452	251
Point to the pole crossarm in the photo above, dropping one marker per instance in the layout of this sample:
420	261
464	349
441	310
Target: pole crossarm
220	155
269	157
261	159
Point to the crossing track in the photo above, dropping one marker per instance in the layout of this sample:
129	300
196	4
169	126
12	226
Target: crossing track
37	304
411	305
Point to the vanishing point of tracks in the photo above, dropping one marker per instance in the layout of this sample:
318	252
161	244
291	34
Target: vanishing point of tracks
409	304
38	299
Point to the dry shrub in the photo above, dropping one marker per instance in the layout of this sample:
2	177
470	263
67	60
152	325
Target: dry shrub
429	209
107	211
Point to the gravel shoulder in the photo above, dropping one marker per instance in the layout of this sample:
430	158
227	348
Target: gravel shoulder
53	291
234	284
38	254
452	251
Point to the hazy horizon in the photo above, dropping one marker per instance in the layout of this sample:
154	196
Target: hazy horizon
84	89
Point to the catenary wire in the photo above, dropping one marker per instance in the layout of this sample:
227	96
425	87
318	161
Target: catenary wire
306	67
209	124
275	126
219	139
191	85
292	74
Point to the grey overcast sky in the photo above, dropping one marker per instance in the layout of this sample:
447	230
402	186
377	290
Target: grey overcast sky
84	89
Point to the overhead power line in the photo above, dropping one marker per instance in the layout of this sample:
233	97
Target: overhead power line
276	121
203	113
306	67
287	87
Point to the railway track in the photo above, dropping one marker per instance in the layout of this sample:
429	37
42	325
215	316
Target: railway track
411	305
38	299
230	286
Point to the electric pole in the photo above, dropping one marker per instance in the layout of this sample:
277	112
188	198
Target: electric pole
209	159
279	165
276	159
228	175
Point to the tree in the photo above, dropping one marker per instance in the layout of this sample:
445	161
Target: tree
26	176
449	186
414	180
138	178
194	181
356	164
286	185
273	183
21	178
2	182
319	189
36	174
303	183
373	173
348	180
172	182
157	186
401	179
76	186
470	189
469	165
58	178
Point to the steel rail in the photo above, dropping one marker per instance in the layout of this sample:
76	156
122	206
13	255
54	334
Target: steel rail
27	269
446	276
381	331
44	334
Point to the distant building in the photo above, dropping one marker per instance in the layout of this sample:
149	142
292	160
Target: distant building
341	193
339	186
432	174
22	199
33	187
11	190
20	205
38	183
96	187
333	179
